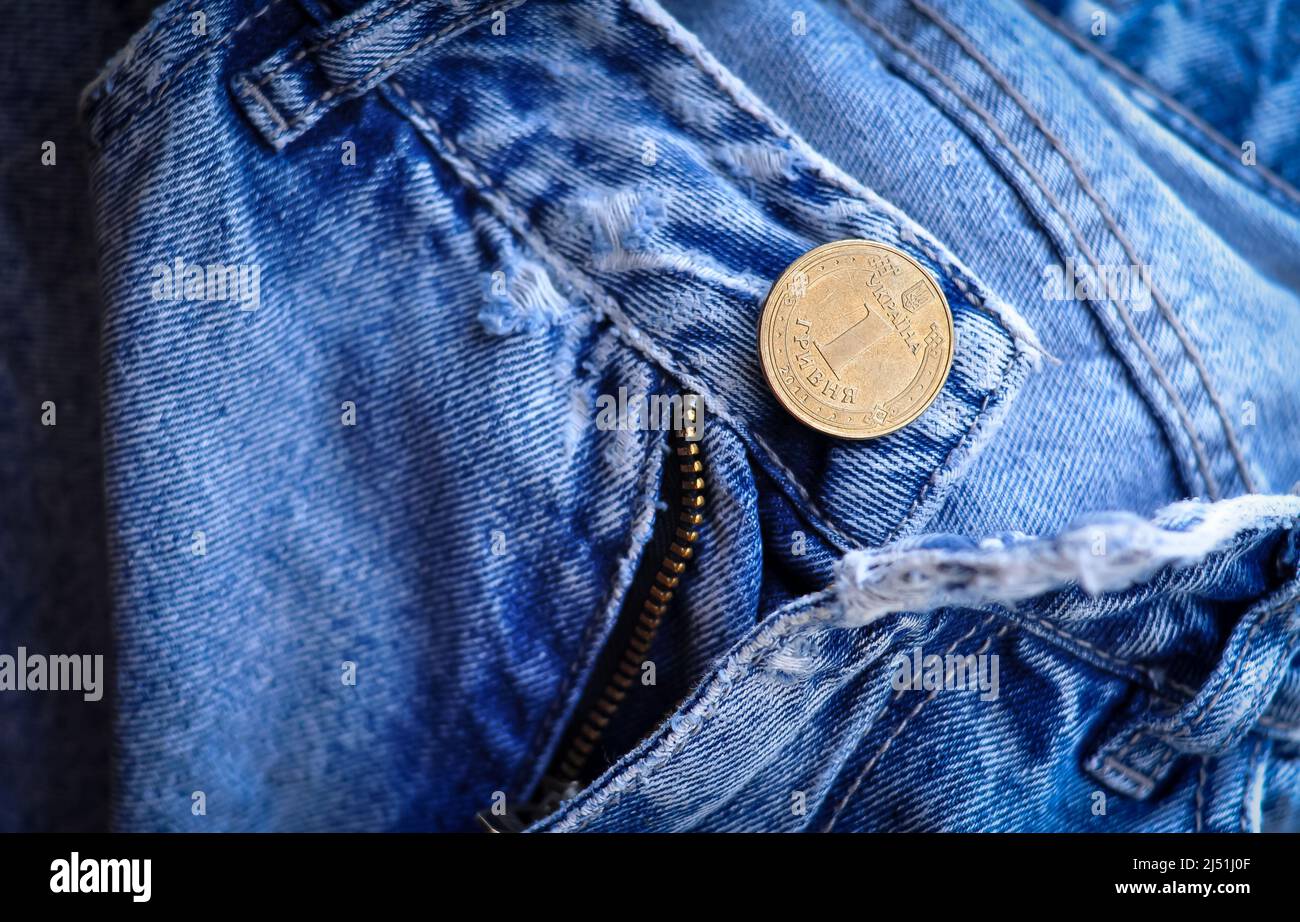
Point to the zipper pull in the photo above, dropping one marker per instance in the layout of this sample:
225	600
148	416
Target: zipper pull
550	794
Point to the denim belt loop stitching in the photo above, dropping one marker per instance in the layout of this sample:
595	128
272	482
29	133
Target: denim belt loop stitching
1139	752
289	92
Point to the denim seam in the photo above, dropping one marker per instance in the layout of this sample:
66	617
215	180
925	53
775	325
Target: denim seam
255	93
333	40
1160	686
1146	671
1200	794
139	106
160	27
137	46
635	549
386	64
1172	107
942	469
1113	764
898	729
1252	714
808	505
1183	417
992	410
1103	209
1157	772
604	304
1167	757
822	170
706	702
1124	750
1267	618
1191	721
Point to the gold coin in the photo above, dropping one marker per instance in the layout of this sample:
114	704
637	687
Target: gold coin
856	339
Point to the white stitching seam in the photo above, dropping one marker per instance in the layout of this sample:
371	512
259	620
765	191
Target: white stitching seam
1202	459
1081	177
889	740
1176	109
152	98
605	306
379	68
333	40
827	172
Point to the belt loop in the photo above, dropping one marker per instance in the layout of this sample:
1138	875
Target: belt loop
294	88
1140	750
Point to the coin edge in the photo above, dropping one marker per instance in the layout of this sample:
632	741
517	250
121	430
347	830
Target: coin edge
817	425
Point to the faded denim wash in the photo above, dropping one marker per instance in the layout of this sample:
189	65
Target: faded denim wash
470	219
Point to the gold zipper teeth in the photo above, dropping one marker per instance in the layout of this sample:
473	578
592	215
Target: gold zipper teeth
645	627
627	668
666	579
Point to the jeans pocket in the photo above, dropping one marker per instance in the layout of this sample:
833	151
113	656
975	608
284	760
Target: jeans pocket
947	685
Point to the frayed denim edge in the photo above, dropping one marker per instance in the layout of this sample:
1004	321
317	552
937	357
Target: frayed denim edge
1106	554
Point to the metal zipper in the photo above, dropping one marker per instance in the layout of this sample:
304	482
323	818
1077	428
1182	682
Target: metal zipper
618	669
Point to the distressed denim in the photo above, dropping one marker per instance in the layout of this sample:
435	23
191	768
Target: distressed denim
460	223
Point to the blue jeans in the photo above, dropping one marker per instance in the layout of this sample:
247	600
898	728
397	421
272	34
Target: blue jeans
367	270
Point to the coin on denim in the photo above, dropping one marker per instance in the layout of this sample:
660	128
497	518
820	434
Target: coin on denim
856	339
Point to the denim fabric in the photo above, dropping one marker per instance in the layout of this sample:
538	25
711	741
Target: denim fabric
799	728
1057	162
1222	73
466	221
